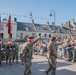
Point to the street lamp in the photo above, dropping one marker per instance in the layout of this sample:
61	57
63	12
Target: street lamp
52	13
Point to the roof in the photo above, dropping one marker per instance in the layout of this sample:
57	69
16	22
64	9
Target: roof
65	30
54	28
59	29
42	27
25	26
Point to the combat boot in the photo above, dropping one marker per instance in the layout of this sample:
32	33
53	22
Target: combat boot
46	72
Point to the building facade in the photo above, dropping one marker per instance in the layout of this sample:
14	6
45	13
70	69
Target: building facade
22	29
4	29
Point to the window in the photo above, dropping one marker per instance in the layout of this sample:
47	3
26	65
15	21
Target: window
1	27
49	35
21	35
45	35
33	34
26	28
18	35
1	35
39	34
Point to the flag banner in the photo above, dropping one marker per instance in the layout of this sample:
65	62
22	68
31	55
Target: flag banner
9	26
30	14
25	16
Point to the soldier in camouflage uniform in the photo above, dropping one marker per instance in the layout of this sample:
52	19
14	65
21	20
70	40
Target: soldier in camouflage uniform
52	55
74	54
13	51
3	51
10	53
16	51
0	54
7	52
27	53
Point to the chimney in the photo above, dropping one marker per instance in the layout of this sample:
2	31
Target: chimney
15	19
72	21
4	19
52	23
61	25
47	23
67	24
32	21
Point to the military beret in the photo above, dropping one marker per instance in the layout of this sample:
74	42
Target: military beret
30	37
9	42
15	41
53	38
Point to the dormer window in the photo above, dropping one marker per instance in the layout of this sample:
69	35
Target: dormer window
26	28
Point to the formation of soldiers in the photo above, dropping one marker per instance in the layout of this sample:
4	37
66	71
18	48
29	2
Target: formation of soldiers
8	52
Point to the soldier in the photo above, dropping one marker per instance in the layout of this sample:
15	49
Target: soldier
10	52
74	54
52	55
3	51
7	52
27	53
0	53
16	51
13	51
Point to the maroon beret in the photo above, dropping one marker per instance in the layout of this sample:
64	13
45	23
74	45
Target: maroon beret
15	41
53	38
30	37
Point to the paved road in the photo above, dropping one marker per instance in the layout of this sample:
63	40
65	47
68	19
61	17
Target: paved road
39	65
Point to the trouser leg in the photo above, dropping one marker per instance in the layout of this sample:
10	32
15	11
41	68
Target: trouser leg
0	60
27	69
53	70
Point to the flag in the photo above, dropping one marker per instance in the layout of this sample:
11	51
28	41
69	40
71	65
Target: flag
9	26
30	14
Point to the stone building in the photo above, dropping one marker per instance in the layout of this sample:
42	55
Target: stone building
22	29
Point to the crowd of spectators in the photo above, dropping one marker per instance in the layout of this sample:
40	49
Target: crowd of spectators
65	51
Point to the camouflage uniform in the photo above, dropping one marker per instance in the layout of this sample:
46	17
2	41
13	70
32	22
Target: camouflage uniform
13	52
0	55
7	52
16	52
27	55
52	55
74	54
10	54
3	51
